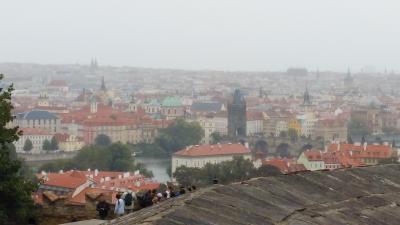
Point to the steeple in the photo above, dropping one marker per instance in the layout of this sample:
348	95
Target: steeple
238	97
103	85
132	104
93	104
43	99
306	98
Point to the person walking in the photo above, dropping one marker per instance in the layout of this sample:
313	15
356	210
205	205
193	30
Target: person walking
129	200
103	207
119	209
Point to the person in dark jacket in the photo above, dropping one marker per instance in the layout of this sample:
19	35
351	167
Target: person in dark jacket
103	207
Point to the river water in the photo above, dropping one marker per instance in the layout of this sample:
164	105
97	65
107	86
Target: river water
158	166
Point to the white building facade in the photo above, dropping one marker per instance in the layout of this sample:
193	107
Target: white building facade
198	156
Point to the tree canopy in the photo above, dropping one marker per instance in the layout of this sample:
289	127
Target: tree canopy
15	190
358	127
46	145
102	140
179	135
28	145
53	144
292	133
216	137
262	146
238	169
283	150
115	157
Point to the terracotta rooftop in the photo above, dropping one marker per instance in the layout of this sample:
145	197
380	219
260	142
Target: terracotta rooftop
210	150
34	131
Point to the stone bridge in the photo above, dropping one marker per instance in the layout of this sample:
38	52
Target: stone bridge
46	156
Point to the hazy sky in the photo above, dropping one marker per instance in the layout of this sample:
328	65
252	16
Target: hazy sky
204	34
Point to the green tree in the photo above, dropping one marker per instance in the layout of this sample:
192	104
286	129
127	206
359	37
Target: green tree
28	145
15	191
187	176
102	140
283	134
358	127
46	145
292	133
216	137
116	157
262	146
349	139
306	147
267	171
238	169
53	144
283	150
179	135
150	150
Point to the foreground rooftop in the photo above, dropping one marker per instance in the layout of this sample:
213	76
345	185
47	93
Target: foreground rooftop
366	195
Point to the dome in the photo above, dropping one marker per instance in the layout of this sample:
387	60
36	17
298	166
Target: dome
172	102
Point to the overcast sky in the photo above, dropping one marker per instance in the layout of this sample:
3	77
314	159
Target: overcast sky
204	34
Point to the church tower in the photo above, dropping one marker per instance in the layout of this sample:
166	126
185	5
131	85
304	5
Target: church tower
103	85
307	103
237	115
43	99
133	107
348	82
93	105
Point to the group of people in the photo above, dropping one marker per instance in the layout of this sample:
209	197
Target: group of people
127	202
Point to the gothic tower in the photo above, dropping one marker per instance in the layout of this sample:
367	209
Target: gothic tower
132	104
93	105
307	103
237	115
43	99
103	85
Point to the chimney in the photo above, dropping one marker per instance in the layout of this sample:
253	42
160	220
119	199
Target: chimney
246	144
365	146
96	172
61	172
338	146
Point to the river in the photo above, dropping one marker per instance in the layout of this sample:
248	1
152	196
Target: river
157	166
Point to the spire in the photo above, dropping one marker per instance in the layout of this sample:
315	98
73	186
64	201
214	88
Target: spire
237	97
307	98
132	98
103	85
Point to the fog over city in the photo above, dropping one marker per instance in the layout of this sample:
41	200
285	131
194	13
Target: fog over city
221	35
219	112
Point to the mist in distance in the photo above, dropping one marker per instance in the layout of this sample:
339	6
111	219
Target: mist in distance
207	34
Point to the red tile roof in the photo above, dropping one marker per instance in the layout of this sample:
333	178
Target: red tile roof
253	115
210	150
285	165
34	131
70	179
80	198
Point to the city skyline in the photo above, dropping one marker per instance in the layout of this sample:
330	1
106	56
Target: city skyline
226	35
